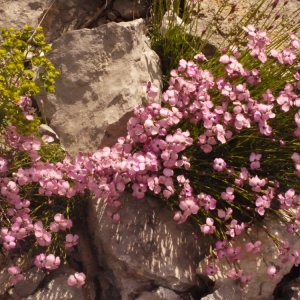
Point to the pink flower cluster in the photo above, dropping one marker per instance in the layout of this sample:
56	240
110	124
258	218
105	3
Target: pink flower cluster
152	154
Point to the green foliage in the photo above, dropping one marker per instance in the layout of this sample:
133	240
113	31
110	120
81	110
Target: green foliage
22	52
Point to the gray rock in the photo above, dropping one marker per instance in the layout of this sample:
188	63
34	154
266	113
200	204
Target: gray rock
57	289
228	18
132	9
4	281
160	294
102	71
67	15
215	21
18	13
146	246
225	292
32	278
261	287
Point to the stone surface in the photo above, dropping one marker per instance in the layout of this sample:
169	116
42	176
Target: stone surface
4	281
132	9
160	294
225	292
18	13
218	21
102	71
32	278
57	289
67	15
147	246
229	19
261	287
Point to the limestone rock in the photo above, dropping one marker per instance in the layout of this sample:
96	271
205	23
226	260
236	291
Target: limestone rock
132	9
261	287
160	294
217	20
18	13
146	246
32	278
102	71
4	281
67	15
57	289
230	18
225	292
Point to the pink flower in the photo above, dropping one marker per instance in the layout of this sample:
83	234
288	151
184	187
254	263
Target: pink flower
211	270
78	279
272	272
257	183
262	203
228	195
254	248
71	240
225	214
150	89
39	260
9	242
139	190
200	57
15	273
52	262
60	223
3	165
189	206
254	159
33	145
47	139
208	228
219	164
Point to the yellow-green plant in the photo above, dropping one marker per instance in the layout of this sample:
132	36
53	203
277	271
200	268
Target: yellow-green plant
22	52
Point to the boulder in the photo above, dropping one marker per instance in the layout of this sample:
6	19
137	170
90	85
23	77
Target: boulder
229	17
18	13
57	289
261	286
159	294
32	278
67	15
146	248
132	9
4	281
102	71
215	21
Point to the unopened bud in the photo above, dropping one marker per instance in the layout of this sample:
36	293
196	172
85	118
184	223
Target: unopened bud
233	7
277	16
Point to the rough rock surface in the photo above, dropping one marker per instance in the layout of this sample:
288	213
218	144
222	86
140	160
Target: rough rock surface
213	21
146	248
18	13
131	9
231	17
160	294
102	71
225	292
57	289
261	286
67	15
32	278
